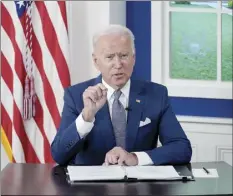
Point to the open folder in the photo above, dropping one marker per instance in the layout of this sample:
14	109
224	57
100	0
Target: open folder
126	173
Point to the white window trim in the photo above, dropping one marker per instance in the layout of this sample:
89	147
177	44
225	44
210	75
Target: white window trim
160	57
202	119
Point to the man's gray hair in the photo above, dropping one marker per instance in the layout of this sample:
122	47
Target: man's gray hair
114	29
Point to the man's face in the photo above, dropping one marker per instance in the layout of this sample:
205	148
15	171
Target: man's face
114	58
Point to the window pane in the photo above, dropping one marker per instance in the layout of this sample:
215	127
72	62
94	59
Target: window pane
193	46
227	47
194	4
227	4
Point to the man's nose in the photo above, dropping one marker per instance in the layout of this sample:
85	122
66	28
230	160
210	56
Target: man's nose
118	62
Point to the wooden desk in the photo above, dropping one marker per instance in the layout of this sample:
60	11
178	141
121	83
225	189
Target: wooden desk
45	179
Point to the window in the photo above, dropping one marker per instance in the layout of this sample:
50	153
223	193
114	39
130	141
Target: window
193	50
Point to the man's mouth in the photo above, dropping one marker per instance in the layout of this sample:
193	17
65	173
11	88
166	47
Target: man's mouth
119	74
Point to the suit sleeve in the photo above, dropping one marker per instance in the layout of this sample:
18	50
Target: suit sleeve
176	148
67	142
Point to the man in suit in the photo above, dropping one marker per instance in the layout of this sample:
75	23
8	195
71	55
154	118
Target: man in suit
114	119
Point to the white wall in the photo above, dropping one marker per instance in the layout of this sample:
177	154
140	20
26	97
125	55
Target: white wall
85	17
211	138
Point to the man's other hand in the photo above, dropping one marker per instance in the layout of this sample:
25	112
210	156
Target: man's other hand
94	97
120	156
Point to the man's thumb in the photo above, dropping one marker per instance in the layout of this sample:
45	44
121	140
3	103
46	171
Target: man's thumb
120	161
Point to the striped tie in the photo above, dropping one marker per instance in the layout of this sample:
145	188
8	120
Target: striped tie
118	120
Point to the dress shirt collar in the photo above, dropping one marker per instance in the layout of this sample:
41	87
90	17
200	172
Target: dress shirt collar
125	89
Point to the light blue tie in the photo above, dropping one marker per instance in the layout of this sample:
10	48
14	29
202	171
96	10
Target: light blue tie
118	120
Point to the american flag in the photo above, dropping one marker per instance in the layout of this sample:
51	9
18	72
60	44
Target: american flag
34	38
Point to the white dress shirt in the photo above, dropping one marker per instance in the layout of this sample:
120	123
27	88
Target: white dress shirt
84	127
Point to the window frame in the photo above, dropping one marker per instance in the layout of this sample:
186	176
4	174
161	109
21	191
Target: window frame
160	58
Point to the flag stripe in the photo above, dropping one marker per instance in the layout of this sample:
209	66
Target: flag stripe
49	126
48	91
5	119
39	120
17	148
19	68
51	39
18	99
49	95
30	140
62	6
8	103
7	70
53	11
30	154
7	25
48	67
6	124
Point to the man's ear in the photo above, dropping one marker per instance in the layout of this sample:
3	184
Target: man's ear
134	58
95	60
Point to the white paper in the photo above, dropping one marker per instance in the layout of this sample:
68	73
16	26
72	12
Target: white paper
200	173
79	173
152	172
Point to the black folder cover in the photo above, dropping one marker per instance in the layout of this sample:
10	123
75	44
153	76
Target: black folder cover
185	171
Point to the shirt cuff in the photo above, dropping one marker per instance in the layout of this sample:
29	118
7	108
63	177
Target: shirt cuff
143	158
83	127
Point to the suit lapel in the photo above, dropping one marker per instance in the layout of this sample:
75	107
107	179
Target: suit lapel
136	102
104	123
105	126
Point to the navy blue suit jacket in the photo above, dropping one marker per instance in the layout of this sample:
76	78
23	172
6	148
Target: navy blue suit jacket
69	148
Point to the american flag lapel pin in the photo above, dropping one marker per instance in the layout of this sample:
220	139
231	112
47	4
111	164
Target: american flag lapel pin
138	101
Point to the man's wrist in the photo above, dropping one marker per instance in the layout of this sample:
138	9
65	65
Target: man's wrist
83	127
143	158
88	115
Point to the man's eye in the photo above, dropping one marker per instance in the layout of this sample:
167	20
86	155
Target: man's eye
124	56
110	57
